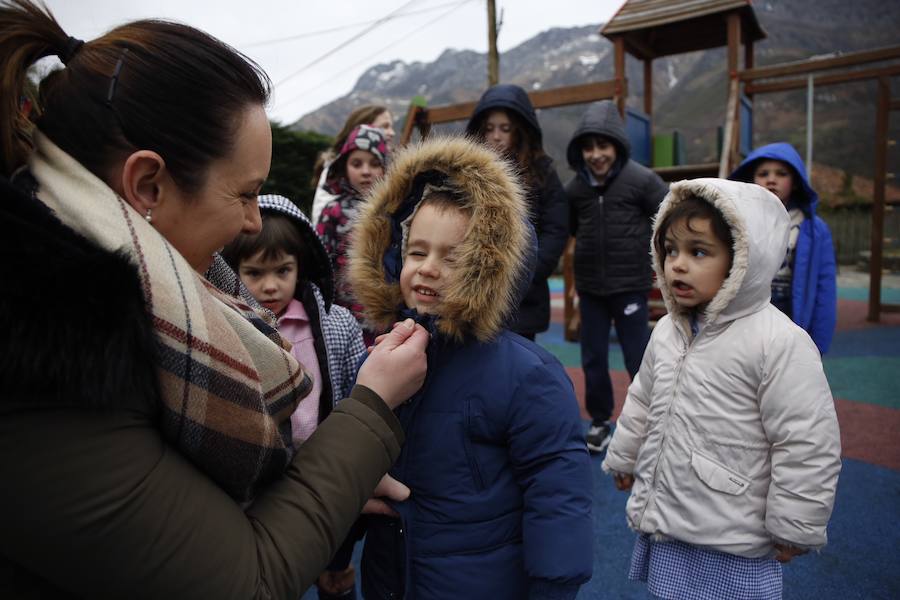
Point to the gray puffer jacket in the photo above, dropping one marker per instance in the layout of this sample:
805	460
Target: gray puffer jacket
611	222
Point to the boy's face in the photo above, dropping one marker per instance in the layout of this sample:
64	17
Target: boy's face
272	282
363	169
498	131
777	177
599	155
430	256
696	263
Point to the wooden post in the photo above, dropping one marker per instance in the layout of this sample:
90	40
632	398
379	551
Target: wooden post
749	58
411	116
571	314
731	125
619	47
877	241
648	100
648	87
493	57
734	45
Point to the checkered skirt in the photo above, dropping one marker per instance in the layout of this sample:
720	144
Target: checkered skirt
676	570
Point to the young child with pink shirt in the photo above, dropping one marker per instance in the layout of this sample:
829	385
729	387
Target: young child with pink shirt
286	268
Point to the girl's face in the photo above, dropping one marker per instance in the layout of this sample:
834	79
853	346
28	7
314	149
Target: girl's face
430	256
498	131
385	122
777	177
697	262
272	281
363	169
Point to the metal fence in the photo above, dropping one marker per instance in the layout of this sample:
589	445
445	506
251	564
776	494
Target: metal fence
851	229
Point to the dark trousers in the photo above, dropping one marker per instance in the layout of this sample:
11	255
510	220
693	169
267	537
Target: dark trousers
629	314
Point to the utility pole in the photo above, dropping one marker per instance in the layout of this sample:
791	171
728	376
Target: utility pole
493	57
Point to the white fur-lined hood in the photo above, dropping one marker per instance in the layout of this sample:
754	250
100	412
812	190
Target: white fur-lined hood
759	226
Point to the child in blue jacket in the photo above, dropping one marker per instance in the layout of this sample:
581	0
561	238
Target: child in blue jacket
805	288
495	457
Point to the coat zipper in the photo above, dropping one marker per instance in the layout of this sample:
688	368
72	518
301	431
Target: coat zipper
682	357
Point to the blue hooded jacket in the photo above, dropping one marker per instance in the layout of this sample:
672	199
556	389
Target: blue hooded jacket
814	286
495	454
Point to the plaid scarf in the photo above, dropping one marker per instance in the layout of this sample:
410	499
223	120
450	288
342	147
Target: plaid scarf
227	390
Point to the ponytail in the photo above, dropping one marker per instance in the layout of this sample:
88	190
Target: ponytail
27	34
149	84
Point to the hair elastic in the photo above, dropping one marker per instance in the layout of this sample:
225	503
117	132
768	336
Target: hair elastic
73	45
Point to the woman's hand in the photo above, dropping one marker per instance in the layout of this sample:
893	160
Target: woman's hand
382	337
395	368
388	488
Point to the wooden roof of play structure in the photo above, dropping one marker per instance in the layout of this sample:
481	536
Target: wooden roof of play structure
654	28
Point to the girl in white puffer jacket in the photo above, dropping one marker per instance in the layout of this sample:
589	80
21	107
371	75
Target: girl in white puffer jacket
728	435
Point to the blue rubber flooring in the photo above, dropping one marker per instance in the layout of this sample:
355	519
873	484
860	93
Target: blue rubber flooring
862	559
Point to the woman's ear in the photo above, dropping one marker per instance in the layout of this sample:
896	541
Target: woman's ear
143	177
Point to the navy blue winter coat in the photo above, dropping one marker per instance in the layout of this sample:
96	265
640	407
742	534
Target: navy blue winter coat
495	454
814	285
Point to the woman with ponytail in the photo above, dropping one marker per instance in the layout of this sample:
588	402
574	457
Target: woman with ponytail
144	401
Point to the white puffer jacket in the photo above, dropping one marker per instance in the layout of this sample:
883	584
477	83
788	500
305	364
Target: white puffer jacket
732	436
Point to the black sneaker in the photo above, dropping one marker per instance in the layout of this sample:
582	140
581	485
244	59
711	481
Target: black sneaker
598	436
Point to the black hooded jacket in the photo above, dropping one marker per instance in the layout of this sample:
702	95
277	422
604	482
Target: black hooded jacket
546	207
611	222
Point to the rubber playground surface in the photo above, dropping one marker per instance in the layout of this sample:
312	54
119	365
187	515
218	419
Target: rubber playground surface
862	558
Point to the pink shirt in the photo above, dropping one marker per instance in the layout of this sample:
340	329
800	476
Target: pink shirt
293	325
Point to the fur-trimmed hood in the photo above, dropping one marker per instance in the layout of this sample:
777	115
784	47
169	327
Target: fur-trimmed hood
493	261
759	227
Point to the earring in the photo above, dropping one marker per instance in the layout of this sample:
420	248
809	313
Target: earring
149	216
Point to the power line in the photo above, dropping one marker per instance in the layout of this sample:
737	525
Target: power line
319	32
376	53
345	43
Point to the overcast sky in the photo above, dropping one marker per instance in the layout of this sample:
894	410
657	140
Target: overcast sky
320	65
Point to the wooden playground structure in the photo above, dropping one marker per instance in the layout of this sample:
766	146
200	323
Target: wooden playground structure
650	29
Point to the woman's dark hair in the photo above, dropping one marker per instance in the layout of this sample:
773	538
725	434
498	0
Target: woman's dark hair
694	207
364	115
526	147
278	235
150	84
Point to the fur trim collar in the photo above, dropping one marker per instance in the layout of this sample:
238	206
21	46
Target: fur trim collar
491	259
